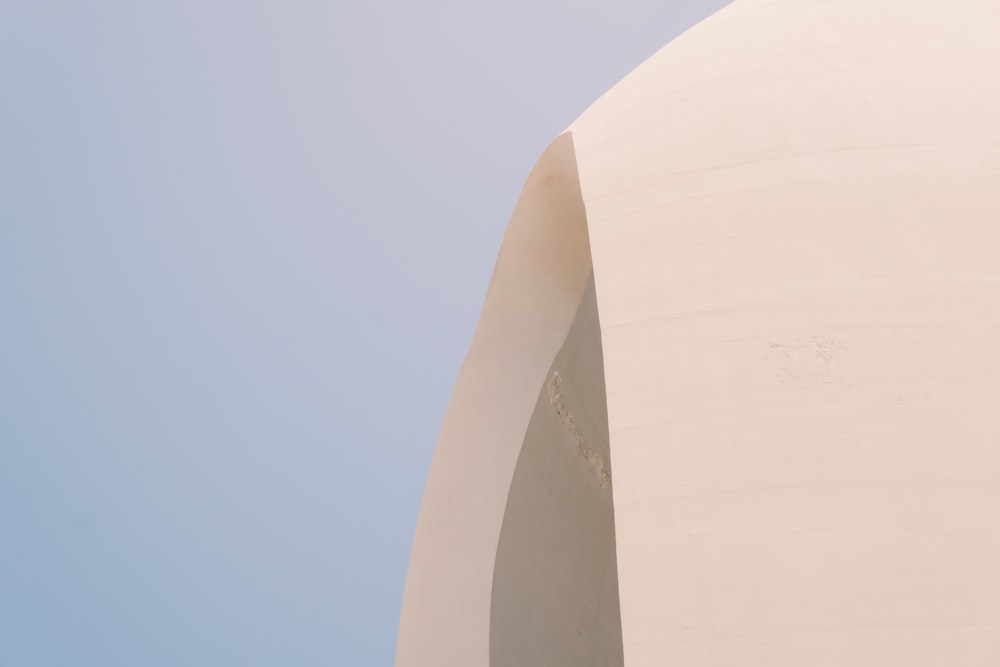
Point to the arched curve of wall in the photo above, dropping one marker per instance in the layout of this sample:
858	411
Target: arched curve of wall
539	281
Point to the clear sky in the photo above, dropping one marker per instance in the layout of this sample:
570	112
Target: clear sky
243	247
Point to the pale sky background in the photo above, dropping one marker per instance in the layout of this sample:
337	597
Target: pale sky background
243	248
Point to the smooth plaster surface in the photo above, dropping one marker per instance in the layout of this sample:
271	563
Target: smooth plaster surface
793	216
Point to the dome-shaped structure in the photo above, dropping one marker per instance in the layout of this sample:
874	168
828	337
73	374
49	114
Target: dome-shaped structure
731	399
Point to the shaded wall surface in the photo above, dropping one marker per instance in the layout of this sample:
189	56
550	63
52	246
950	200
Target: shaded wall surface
792	216
555	586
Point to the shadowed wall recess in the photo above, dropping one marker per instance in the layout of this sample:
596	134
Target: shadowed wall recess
555	584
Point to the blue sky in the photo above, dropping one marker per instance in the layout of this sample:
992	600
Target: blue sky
243	247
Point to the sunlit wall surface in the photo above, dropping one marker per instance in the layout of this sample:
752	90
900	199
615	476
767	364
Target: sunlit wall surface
790	217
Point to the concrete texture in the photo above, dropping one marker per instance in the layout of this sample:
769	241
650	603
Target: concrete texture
791	214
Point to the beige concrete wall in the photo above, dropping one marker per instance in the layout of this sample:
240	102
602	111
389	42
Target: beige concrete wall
794	211
794	216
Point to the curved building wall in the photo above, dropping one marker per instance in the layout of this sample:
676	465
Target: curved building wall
534	294
794	211
793	216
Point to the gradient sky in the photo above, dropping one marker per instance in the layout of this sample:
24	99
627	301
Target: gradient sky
243	248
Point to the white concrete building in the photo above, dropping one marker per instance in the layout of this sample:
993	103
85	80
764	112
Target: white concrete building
734	398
